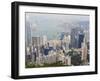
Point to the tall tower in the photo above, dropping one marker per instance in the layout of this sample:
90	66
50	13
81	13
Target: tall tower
44	39
28	36
84	51
80	40
75	32
66	41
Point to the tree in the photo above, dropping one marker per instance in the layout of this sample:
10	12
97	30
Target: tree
75	57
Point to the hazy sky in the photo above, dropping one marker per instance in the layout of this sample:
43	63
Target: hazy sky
52	24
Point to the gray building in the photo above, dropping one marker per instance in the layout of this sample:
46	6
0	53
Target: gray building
28	36
37	43
75	32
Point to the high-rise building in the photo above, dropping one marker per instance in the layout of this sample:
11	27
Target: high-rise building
44	39
27	42
33	52
36	43
86	33
66	41
28	54
84	51
80	39
75	37
28	36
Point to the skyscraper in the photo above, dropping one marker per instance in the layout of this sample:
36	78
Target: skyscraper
28	36
76	36
84	51
44	40
80	39
36	43
66	41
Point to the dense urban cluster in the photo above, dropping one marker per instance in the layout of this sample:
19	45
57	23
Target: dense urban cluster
68	49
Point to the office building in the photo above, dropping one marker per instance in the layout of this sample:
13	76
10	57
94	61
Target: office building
28	35
84	52
75	39
80	39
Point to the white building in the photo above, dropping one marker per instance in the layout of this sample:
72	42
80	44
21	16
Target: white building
68	60
44	39
66	41
84	51
50	58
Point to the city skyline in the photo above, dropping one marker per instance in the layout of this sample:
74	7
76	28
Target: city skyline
52	24
56	40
